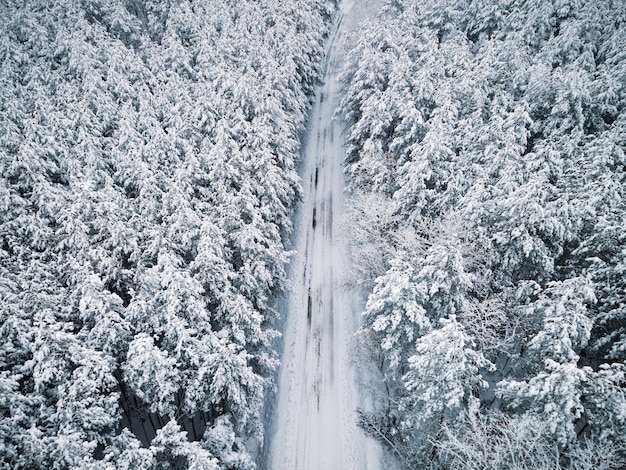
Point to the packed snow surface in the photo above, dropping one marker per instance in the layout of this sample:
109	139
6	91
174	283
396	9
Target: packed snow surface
315	425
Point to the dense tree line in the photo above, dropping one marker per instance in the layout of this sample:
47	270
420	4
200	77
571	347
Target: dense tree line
147	153
486	155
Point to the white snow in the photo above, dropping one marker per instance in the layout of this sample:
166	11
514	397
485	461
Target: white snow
315	425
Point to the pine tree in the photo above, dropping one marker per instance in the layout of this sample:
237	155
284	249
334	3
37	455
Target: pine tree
442	384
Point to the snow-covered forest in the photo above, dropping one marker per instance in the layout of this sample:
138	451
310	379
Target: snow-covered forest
486	157
148	184
147	155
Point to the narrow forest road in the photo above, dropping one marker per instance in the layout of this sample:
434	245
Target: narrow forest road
314	426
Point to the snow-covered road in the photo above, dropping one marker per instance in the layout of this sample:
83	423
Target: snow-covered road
314	426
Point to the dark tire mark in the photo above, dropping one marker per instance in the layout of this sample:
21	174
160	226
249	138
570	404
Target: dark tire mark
309	309
318	348
317	174
314	223
306	256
